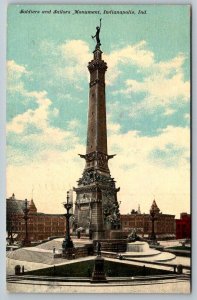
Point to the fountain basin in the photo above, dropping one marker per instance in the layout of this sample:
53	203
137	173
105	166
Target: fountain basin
141	250
138	247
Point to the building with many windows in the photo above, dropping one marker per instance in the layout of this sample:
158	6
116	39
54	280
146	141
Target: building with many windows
183	226
40	225
164	225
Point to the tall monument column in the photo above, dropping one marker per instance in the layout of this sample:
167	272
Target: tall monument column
96	207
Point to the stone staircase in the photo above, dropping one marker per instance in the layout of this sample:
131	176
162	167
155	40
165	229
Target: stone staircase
34	279
18	278
24	254
50	245
82	248
44	253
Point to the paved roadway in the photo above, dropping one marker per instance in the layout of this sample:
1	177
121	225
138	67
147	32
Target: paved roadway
168	286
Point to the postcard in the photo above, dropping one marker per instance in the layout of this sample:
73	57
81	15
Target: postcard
98	149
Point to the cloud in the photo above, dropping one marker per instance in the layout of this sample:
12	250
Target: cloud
143	169
175	64
169	112
112	127
148	167
162	83
15	70
73	124
159	89
144	166
136	54
30	133
75	61
14	73
163	86
50	176
39	155
38	117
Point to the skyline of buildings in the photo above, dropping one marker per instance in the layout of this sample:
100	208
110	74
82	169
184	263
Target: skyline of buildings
42	226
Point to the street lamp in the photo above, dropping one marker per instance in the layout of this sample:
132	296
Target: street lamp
154	210
67	244
26	241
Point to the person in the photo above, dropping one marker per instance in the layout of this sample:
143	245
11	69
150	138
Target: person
97	36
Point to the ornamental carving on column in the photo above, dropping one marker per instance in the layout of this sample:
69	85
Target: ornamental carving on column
97	64
91	176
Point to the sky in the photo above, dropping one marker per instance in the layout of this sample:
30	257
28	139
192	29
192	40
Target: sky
147	99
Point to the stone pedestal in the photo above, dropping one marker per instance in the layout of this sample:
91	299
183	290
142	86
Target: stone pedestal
98	274
69	253
67	243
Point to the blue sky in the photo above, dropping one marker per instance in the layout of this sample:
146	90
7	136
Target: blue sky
147	96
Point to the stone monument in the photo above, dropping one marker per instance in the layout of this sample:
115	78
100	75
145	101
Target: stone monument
98	274
96	207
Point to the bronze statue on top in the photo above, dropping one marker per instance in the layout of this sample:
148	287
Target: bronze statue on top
97	36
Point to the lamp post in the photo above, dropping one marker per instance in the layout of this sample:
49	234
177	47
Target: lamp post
153	218
154	210
26	240
67	244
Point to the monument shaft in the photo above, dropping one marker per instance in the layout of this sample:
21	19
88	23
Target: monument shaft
97	131
96	207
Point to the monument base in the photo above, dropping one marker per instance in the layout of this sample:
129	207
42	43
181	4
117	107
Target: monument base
112	245
69	253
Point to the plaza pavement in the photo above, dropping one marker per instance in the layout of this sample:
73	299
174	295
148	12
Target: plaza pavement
171	286
156	286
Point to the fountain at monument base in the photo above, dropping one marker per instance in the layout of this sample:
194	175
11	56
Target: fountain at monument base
138	246
140	250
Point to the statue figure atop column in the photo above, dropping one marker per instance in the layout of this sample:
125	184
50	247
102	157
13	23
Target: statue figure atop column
97	36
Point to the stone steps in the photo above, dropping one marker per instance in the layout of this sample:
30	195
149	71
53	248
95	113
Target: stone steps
50	245
45	255
32	278
33	256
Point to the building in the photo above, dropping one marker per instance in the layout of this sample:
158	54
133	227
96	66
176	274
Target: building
164	224
183	226
40	225
96	207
